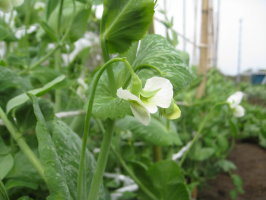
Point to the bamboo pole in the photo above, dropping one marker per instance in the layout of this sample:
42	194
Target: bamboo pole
203	65
194	54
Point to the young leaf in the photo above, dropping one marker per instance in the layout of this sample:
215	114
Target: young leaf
155	133
125	21
20	99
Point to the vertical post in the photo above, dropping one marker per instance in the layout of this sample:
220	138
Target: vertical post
203	65
194	54
210	34
238	78
184	25
217	29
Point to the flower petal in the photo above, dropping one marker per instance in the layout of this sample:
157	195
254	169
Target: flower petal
235	99
239	111
140	113
164	95
127	95
17	2
152	108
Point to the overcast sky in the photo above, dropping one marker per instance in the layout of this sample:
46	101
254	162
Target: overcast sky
253	14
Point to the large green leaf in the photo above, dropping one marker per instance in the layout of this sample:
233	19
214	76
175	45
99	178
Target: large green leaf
125	21
68	147
20	99
157	51
53	169
59	149
155	133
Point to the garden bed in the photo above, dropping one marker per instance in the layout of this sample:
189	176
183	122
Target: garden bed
250	160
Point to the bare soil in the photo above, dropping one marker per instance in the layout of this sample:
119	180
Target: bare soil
250	160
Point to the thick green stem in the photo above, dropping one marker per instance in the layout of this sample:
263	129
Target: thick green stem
133	176
101	162
82	167
22	144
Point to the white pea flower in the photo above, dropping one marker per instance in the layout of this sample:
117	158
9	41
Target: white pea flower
234	100
157	92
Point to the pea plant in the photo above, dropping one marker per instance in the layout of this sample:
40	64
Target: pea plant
88	105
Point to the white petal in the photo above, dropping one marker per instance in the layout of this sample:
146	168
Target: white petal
235	99
152	108
164	96
140	113
239	111
127	95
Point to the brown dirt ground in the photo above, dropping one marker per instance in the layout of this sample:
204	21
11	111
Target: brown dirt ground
251	163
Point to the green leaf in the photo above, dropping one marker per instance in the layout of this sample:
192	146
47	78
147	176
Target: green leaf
107	106
59	149
6	33
51	5
155	133
6	164
202	153
3	192
81	15
10	79
53	169
22	171
20	99
157	51
164	173
68	147
125	21
168	179
15	183
226	165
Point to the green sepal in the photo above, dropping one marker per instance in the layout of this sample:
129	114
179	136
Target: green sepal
136	85
149	94
172	112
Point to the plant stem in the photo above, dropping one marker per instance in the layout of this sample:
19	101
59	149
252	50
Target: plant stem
133	176
59	18
22	144
58	92
157	153
110	72
36	64
81	176
101	162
